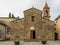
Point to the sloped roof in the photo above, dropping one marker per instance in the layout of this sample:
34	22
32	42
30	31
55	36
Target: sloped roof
3	22
47	19
21	19
57	18
32	8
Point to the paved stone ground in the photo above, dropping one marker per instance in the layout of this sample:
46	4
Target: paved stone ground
30	43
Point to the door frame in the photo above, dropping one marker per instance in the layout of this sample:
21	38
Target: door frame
55	36
33	34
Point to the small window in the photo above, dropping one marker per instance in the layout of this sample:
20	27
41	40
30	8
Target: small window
55	28
55	24
33	18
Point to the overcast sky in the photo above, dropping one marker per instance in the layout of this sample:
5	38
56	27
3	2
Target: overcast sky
18	6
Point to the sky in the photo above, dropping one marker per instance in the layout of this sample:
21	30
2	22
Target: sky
17	7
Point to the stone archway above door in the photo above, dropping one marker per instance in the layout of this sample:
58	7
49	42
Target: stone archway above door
32	28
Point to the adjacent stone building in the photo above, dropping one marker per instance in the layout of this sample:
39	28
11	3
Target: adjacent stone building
57	27
5	26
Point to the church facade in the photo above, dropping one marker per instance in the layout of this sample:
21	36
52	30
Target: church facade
33	26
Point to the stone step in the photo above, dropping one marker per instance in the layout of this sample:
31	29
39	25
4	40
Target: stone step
32	40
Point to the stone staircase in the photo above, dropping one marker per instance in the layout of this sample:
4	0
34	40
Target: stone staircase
32	40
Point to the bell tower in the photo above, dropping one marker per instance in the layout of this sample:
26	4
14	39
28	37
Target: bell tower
46	12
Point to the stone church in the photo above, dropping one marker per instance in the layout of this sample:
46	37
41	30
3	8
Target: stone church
35	26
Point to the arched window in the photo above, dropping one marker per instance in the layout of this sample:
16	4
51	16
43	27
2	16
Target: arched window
47	12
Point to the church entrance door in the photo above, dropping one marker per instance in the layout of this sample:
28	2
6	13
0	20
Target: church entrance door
32	35
56	36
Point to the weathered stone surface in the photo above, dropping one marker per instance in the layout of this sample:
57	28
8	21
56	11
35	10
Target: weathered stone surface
23	28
